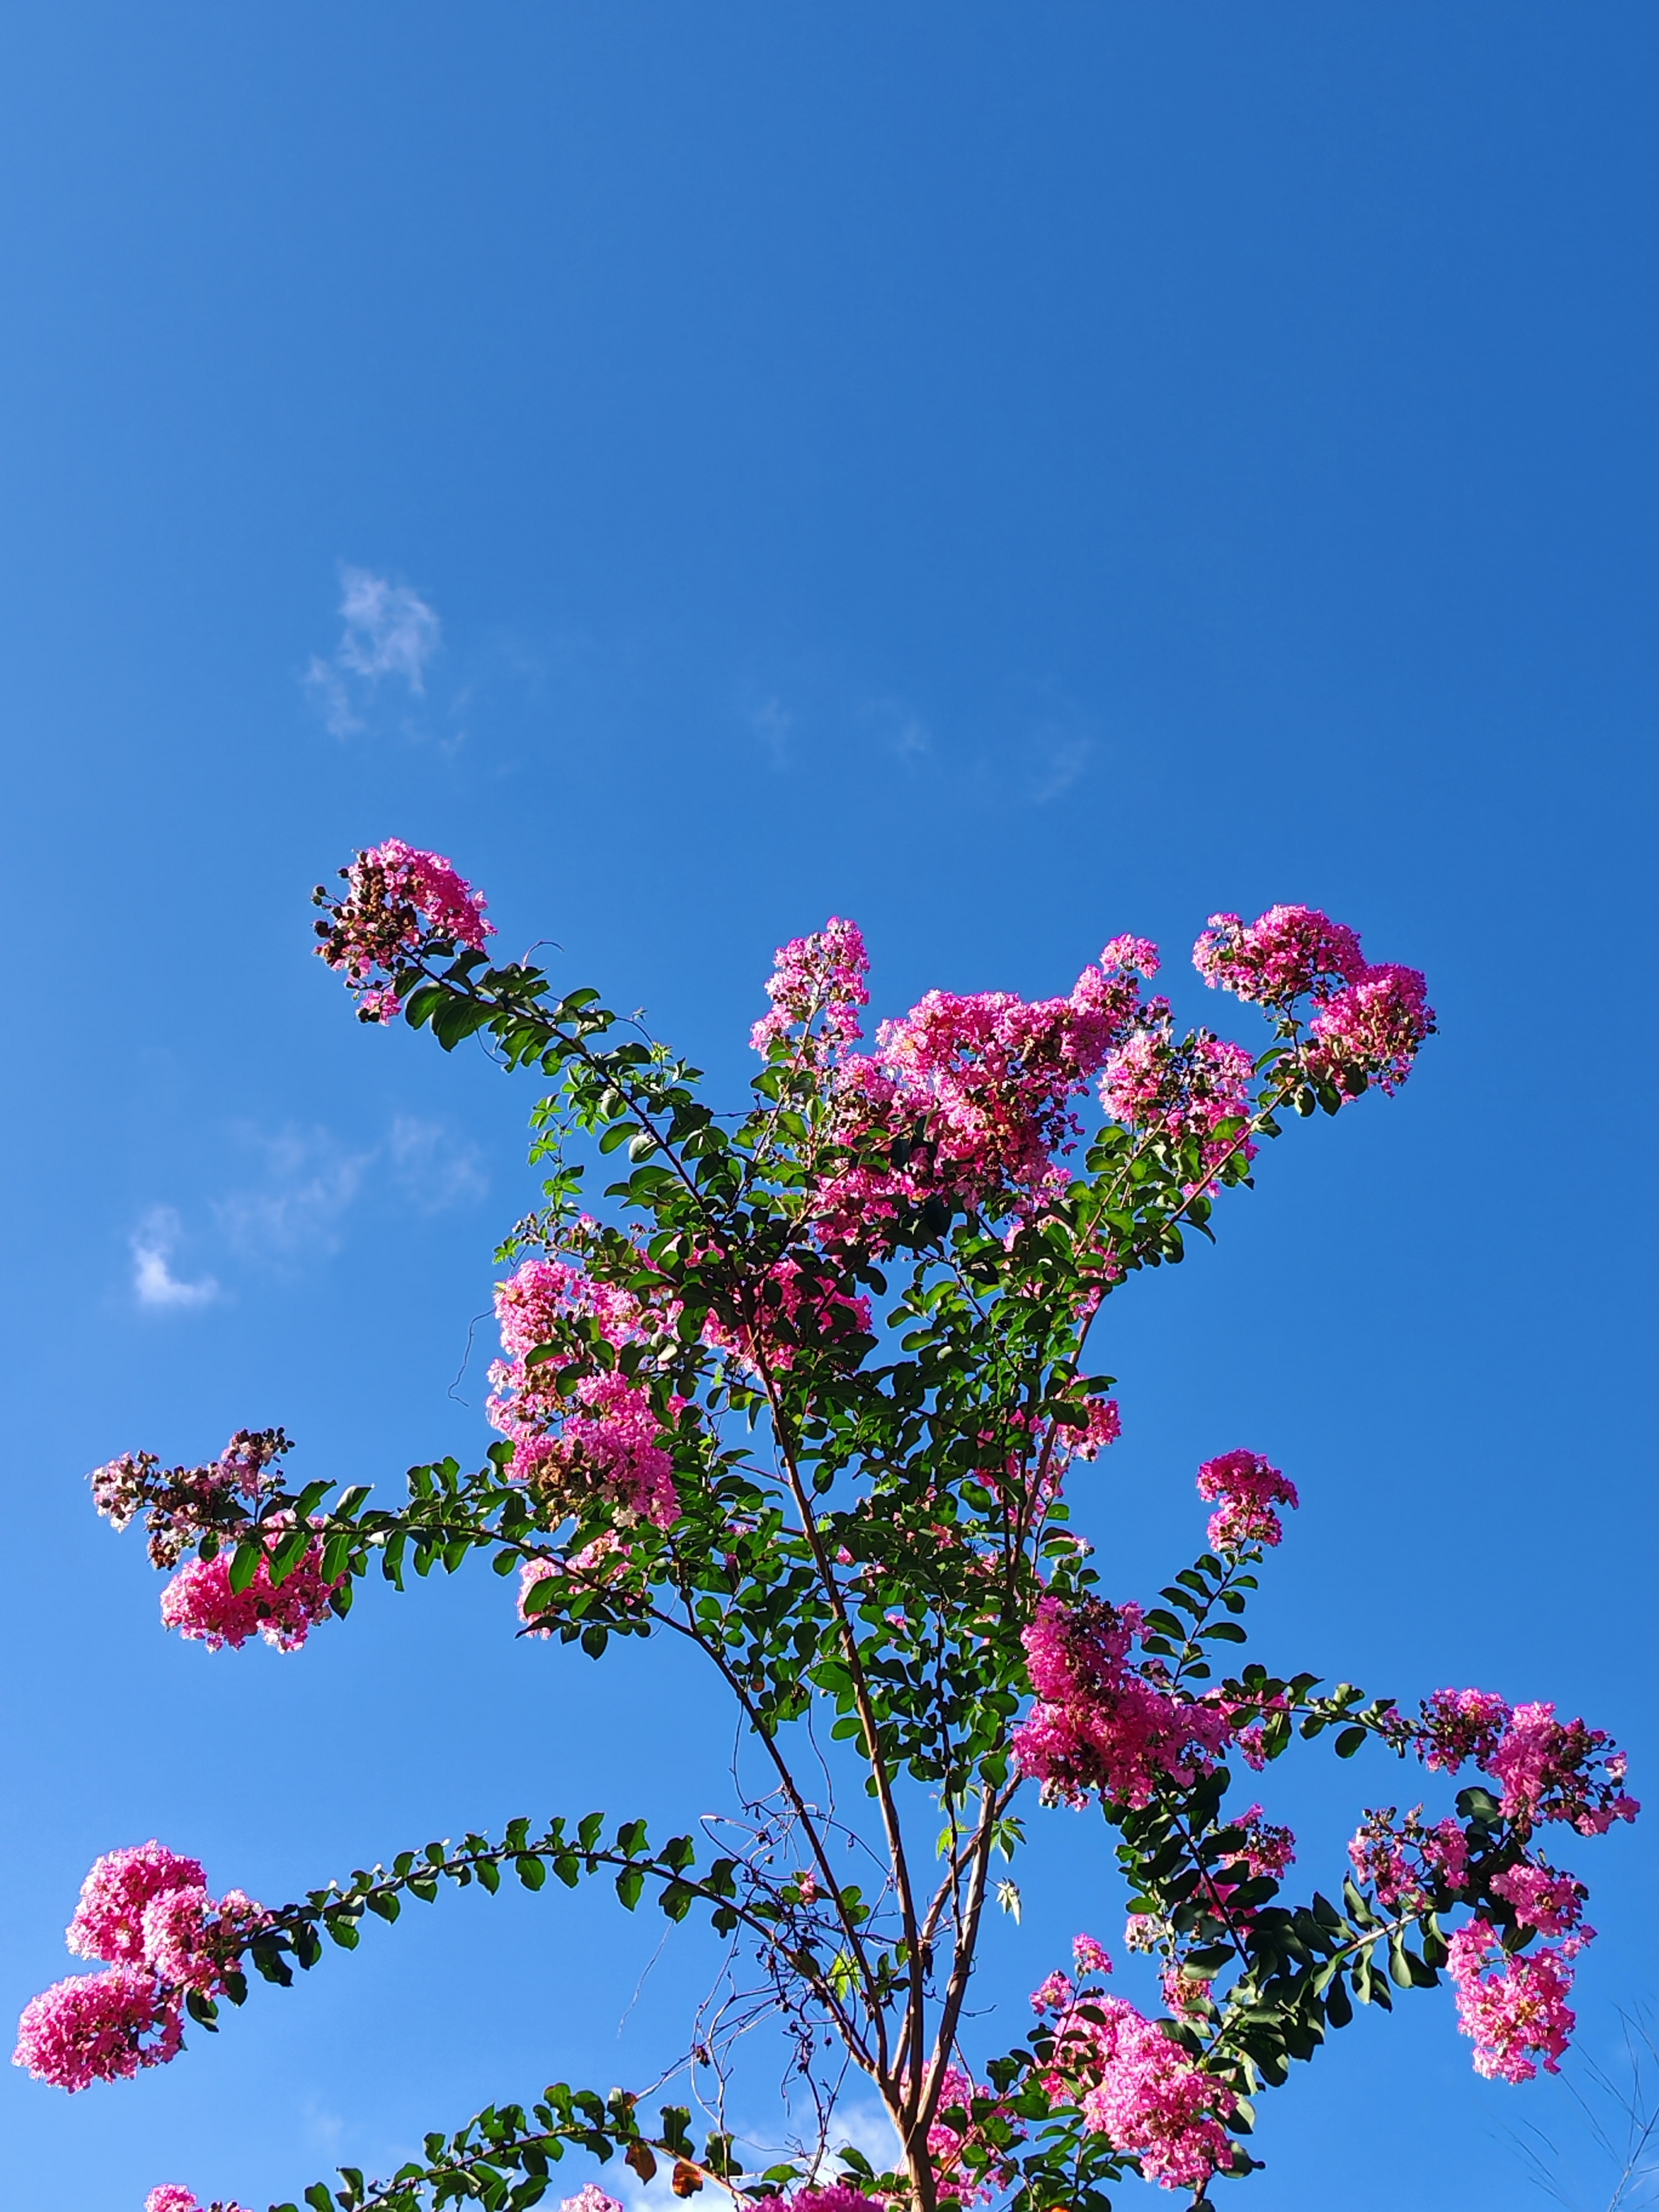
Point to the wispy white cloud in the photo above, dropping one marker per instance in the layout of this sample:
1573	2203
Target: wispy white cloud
1066	763
772	722
310	1180
154	1243
432	1170
391	634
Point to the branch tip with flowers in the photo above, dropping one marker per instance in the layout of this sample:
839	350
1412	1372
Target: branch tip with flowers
808	1391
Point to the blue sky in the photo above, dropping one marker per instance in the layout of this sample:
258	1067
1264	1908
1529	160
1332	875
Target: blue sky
1010	475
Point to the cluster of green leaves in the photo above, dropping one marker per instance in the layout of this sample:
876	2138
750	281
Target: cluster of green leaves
503	2159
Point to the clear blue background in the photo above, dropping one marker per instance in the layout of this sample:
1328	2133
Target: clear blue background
1009	474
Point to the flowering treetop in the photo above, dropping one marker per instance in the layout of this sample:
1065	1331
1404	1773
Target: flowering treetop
805	1392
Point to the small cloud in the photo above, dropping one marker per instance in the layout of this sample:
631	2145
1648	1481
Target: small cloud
391	633
899	729
432	1171
771	721
1066	762
311	1179
154	1243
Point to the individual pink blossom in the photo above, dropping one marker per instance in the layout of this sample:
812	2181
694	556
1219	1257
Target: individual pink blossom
98	2028
400	902
1099	1724
590	2197
1089	1956
822	980
1548	1771
1247	1488
200	1603
1373	1030
1186	1994
1460	1725
1053	1993
1283	955
1139	2089
1551	1902
109	1920
1515	2009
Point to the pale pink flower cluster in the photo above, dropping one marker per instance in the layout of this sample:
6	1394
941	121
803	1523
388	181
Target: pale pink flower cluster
1515	2009
1100	1724
172	2196
180	1504
1551	1902
146	1910
819	979
1104	1426
590	2197
1406	1860
1138	2088
600	1562
1089	1956
200	1603
400	901
603	1436
1368	1023
1245	1489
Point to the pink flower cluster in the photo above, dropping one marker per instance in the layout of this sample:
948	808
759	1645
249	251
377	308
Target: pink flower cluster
1406	1860
604	1436
970	1096
590	2197
1187	1088
946	2144
1098	1723
1267	1849
1138	2087
181	1504
819	979
146	1911
1551	1902
833	2196
172	2196
399	904
1514	2008
1369	1022
200	1603
1460	1725
800	1302
1245	1489
1546	1769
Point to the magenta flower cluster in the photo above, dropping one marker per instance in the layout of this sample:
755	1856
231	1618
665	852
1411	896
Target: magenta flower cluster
604	1436
817	988
1245	1489
1135	2085
400	904
1514	2008
1101	1722
146	1911
201	1604
1369	1022
172	2197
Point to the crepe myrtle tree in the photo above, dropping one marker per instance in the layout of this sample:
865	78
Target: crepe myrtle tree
804	1393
